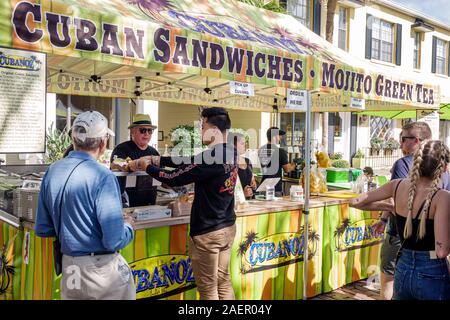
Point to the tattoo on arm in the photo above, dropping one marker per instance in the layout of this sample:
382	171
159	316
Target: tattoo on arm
439	244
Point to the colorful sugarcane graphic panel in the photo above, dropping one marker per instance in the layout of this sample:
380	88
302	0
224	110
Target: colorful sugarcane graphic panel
266	258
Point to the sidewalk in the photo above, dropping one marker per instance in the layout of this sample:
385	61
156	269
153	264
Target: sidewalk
359	290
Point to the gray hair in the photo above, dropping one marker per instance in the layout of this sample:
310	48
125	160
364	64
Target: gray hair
86	144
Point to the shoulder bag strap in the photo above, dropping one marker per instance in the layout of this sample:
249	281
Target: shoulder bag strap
62	195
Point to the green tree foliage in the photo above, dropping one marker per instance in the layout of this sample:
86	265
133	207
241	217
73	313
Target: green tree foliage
273	5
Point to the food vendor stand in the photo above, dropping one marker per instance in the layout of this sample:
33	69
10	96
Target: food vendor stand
189	51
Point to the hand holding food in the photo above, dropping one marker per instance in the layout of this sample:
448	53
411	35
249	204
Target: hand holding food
120	164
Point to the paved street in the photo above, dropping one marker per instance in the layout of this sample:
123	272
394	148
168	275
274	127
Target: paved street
359	290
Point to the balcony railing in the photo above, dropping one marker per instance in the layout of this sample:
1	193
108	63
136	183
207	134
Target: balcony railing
382	159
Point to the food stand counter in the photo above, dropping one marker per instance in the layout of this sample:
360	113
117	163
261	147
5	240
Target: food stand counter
266	259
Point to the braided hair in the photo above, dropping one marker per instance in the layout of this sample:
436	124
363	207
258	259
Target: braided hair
430	161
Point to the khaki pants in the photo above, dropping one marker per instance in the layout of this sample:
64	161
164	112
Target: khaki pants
101	277
210	256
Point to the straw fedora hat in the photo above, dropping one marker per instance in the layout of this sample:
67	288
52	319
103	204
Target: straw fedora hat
141	119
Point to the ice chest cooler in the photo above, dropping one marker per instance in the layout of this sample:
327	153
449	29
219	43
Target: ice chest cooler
337	175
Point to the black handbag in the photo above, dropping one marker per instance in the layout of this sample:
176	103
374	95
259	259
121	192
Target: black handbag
57	254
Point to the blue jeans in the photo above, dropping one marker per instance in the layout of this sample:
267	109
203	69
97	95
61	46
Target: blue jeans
417	277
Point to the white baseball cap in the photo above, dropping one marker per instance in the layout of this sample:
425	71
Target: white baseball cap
95	124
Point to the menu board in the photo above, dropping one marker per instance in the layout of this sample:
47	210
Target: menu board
22	101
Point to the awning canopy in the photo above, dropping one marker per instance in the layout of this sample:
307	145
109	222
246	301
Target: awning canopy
405	114
444	113
187	51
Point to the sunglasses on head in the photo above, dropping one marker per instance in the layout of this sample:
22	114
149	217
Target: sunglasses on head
144	130
410	137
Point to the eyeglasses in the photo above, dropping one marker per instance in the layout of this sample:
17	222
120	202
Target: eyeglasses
404	138
144	130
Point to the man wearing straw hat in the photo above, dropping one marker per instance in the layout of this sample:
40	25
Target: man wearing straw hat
141	192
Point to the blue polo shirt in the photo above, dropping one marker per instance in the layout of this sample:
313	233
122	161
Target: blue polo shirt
92	218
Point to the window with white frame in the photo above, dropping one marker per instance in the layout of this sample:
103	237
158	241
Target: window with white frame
343	29
441	56
300	10
382	40
381	128
417	50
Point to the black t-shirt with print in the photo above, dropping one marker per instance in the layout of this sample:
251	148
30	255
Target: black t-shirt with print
214	172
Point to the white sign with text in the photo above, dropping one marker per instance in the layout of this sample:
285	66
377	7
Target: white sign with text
357	103
242	88
296	99
22	101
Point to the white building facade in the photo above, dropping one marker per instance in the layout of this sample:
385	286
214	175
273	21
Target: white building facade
385	34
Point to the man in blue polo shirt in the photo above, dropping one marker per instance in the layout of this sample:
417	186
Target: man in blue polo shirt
411	137
79	202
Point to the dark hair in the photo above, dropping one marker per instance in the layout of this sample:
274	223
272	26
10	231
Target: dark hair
218	117
273	132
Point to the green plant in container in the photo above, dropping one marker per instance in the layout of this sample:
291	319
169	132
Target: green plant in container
391	144
358	159
359	154
57	142
376	143
336	156
340	163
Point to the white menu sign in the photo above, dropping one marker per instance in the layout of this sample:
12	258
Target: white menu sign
357	103
242	88
22	101
432	119
296	99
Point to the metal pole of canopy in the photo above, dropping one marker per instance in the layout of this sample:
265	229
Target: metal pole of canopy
117	121
69	112
306	173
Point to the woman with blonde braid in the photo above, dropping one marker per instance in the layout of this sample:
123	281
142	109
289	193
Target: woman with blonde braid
422	218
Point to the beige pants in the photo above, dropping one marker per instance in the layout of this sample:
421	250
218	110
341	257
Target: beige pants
102	277
210	256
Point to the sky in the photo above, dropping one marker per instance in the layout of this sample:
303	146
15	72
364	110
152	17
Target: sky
438	9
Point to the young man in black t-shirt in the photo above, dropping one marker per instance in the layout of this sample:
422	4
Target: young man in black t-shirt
212	225
141	130
274	160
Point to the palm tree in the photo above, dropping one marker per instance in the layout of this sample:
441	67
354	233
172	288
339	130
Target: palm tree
249	239
339	231
313	239
6	271
243	247
331	9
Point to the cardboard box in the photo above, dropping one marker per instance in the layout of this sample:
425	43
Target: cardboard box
181	208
